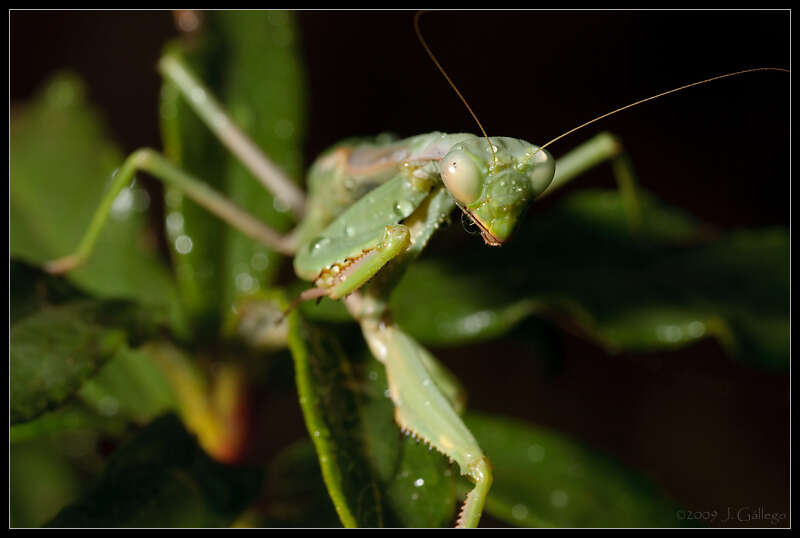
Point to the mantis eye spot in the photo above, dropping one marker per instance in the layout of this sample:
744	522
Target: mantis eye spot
462	176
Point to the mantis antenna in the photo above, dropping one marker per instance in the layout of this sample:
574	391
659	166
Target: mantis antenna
640	101
441	69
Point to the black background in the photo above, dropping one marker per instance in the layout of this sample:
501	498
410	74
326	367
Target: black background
712	432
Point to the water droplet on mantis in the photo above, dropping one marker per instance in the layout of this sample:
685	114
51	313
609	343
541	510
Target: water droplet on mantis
403	208
317	243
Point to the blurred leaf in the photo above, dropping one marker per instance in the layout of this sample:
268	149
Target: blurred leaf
250	61
161	478
296	494
32	290
61	160
542	479
130	386
660	288
42	480
374	475
459	306
66	418
54	351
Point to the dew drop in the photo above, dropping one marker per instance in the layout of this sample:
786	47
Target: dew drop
559	498
696	328
403	208
123	205
183	244
108	406
519	511
259	261
174	223
670	333
284	128
419	482
536	453
317	243
245	282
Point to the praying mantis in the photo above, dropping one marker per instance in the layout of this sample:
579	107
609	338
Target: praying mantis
414	197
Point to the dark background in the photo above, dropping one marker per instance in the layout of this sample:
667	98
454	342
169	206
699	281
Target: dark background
712	432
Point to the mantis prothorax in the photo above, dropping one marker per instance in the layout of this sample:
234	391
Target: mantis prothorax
371	209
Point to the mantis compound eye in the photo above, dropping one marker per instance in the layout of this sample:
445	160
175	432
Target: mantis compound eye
462	176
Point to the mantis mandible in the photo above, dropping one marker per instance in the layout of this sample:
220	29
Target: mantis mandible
371	209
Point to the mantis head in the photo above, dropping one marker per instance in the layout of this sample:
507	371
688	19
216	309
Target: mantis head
494	185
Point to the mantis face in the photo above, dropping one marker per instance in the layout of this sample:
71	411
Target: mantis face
494	189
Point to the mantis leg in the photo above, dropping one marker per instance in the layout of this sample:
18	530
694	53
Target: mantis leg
424	393
203	102
155	164
597	150
422	410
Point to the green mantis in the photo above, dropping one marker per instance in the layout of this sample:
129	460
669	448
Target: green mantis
360	244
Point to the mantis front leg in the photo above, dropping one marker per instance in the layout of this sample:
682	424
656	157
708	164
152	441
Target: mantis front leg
425	398
423	411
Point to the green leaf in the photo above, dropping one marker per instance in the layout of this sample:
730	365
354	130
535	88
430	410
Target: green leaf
130	386
296	492
663	287
250	61
55	351
42	480
542	479
66	418
32	290
61	160
374	475
161	478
